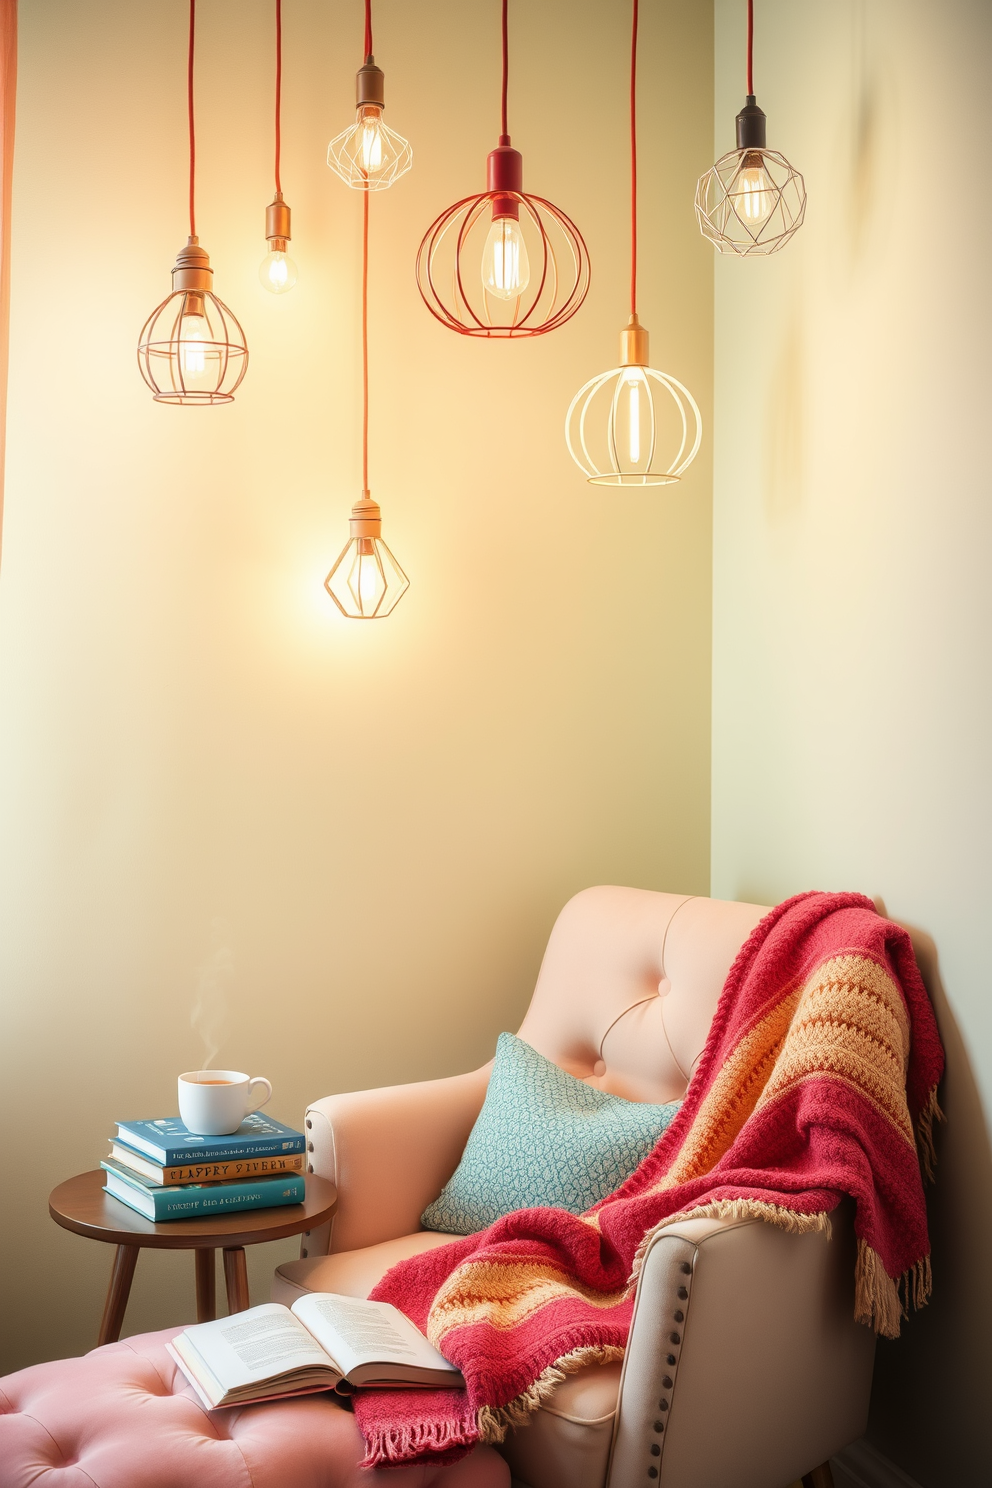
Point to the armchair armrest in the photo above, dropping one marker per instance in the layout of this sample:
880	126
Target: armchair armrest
390	1152
745	1364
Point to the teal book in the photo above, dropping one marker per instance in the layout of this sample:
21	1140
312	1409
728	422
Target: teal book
196	1200
169	1142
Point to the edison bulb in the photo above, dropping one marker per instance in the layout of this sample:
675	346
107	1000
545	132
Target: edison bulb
633	421
370	142
366	580
194	339
754	194
505	266
277	272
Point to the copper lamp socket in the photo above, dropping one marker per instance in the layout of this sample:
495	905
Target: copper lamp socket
370	84
192	269
278	228
634	344
366	517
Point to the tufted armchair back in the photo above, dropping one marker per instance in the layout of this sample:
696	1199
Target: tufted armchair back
629	985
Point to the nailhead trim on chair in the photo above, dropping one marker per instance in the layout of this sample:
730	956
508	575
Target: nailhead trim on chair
668	1380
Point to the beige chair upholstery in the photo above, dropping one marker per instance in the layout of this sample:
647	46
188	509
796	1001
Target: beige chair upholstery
744	1365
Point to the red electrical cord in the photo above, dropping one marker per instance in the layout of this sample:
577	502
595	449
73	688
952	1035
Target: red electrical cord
750	47
278	93
633	162
192	130
506	72
368	30
365	341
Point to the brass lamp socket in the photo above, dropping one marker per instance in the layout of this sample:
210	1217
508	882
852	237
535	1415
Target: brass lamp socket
505	172
370	84
633	344
192	269
751	126
277	224
366	517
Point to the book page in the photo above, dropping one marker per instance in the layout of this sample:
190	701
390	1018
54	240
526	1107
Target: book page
356	1332
255	1345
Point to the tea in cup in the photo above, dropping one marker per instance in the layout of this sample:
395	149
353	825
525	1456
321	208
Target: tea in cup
213	1103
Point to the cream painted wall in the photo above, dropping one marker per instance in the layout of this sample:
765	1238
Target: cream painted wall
352	838
853	525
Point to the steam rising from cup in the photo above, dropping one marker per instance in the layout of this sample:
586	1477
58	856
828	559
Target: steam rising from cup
214	976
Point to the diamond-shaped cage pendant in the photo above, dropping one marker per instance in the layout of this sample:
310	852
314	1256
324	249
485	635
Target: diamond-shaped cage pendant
752	201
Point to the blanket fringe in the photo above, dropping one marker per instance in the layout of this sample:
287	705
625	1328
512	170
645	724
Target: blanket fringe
790	1220
882	1302
400	1444
924	1134
495	1421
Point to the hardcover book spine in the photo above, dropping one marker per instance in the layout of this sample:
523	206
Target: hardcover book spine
242	1148
228	1199
231	1171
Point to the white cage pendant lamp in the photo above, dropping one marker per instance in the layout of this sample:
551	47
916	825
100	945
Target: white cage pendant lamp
752	201
368	155
633	425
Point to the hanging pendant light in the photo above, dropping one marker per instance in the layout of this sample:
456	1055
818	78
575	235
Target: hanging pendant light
752	201
366	582
277	271
191	349
632	425
503	263
369	156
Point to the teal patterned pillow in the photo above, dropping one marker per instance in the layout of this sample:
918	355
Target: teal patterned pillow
543	1139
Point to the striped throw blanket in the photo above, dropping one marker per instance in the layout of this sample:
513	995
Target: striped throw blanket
818	1080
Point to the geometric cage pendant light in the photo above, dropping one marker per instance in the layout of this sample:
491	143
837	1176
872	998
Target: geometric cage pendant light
366	582
633	425
368	155
191	350
752	201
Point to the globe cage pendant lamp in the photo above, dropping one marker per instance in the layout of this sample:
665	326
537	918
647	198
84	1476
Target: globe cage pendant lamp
278	272
633	425
366	582
752	201
503	263
369	156
191	349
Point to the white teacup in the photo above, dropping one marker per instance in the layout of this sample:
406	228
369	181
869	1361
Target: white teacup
214	1103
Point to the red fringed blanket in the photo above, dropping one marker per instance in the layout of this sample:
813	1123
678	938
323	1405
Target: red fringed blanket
819	1080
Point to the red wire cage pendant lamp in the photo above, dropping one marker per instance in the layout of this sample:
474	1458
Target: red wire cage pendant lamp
752	201
191	349
277	271
366	582
503	263
633	425
369	156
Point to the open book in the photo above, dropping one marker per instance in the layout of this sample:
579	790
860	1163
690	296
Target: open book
325	1342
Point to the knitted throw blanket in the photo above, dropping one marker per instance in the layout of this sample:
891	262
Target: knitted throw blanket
818	1080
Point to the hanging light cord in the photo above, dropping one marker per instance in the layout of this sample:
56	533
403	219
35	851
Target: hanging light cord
192	129
368	31
633	163
278	95
365	341
750	48
506	72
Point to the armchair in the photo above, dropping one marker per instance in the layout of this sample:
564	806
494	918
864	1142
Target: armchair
743	1345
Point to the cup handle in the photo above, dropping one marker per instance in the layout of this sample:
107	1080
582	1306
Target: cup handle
258	1080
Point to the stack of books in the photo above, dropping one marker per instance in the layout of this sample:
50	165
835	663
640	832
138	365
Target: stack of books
165	1171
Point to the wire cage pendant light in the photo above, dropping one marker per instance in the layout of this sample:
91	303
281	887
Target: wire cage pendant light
277	271
366	582
633	425
191	349
752	201
503	263
368	155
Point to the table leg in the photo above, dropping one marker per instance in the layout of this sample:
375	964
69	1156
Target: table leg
206	1286
236	1276
125	1261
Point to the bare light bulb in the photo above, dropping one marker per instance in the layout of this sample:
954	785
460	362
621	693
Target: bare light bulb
366	580
277	272
505	265
753	192
370	143
194	334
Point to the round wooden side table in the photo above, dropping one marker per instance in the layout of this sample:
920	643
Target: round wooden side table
83	1204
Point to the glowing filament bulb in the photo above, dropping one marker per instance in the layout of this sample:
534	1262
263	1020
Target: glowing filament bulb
277	272
505	266
753	193
194	334
366	580
634	419
370	150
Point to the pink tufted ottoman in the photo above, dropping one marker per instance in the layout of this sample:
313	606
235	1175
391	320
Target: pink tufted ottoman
124	1417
